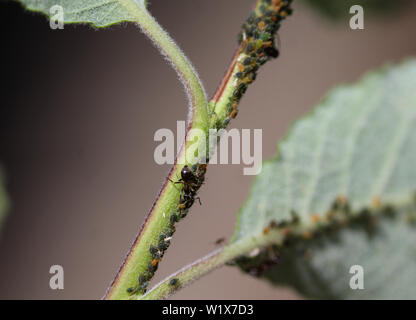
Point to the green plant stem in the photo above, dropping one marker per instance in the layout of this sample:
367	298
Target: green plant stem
250	247
207	264
158	219
223	107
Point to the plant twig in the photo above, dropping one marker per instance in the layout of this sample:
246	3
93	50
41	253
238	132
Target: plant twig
256	254
140	264
256	47
214	260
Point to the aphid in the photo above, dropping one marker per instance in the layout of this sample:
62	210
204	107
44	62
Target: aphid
142	279
239	75
284	14
202	166
155	262
153	250
250	47
240	67
240	38
237	94
248	79
173	219
170	233
157	256
264	36
242	87
315	218
249	69
219	241
162	246
173	282
266	230
258	43
226	122
247	61
376	202
131	290
182	205
233	114
269	13
151	269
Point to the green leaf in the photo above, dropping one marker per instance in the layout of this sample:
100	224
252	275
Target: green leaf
99	13
321	268
340	9
358	146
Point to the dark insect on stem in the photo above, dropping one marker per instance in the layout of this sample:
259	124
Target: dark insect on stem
192	181
174	282
219	241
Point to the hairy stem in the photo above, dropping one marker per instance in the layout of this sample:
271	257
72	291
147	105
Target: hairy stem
139	264
256	47
255	254
201	267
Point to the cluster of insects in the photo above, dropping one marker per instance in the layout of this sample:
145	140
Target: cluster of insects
191	178
338	216
157	253
257	42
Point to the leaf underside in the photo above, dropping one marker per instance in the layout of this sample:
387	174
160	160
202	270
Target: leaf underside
358	145
98	13
320	268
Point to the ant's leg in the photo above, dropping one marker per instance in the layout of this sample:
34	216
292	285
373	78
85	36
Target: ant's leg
199	200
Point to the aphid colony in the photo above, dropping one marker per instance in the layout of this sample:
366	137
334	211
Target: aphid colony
339	216
258	46
257	43
191	178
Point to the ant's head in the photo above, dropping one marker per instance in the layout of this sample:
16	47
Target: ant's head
187	174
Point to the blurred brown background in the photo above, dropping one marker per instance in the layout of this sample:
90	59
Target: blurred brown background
79	111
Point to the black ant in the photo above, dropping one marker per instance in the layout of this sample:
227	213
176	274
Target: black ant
191	184
188	178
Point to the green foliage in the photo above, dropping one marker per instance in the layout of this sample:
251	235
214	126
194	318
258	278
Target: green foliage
354	155
385	248
340	8
99	13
